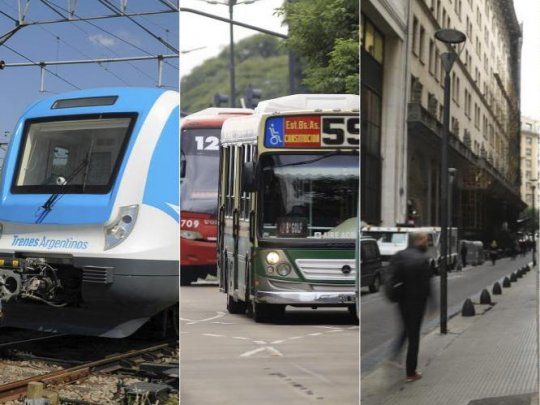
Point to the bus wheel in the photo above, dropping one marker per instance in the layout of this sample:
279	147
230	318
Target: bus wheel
353	312
266	312
186	277
235	307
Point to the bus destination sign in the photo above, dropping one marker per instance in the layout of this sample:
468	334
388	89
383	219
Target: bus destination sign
312	131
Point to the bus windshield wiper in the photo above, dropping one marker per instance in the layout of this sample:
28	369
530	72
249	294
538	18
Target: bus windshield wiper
47	206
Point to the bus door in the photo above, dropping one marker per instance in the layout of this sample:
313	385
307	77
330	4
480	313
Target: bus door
237	163
244	232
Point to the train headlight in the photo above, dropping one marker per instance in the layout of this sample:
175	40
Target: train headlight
120	229
272	258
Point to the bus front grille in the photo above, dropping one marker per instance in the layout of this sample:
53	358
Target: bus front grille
327	269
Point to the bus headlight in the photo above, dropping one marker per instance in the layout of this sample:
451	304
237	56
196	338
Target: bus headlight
284	269
120	229
272	258
191	235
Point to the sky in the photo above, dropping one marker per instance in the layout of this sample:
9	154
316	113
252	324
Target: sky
81	40
528	13
213	35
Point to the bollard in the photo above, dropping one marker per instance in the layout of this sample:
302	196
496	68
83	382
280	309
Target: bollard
497	290
485	298
519	273
506	282
513	277
468	308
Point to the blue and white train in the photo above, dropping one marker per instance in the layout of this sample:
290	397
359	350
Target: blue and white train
89	210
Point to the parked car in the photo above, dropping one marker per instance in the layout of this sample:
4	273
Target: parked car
371	267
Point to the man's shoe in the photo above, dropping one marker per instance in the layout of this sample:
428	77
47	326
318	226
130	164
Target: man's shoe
416	376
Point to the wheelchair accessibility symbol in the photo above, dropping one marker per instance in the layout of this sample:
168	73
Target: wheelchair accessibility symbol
275	136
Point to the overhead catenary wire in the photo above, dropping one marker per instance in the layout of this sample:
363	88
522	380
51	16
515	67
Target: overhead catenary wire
114	36
112	7
38	64
85	55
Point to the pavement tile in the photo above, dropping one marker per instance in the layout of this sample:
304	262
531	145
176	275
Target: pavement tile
493	354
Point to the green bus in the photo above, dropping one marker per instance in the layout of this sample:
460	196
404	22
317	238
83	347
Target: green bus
288	205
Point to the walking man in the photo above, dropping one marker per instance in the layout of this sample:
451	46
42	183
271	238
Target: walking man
463	254
493	252
410	278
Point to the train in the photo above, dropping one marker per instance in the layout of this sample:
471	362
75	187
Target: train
89	213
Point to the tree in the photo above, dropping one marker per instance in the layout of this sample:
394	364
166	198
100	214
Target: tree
325	35
261	61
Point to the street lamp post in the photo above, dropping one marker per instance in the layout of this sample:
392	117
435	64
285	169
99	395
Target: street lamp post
232	96
534	218
232	78
453	38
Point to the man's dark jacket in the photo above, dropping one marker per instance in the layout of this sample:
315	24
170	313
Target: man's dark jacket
411	267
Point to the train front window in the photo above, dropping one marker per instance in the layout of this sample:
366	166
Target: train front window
312	196
71	155
199	169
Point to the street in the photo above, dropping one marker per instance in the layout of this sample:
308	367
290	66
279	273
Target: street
310	356
380	323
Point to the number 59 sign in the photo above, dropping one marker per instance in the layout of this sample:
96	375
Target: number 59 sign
313	131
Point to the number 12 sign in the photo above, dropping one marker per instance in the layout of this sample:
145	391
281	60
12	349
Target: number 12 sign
312	131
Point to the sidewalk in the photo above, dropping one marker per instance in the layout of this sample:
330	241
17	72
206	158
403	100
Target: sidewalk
482	358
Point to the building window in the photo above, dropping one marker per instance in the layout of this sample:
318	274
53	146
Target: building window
528	152
414	36
421	40
529	139
372	40
437	68
467	104
476	116
431	60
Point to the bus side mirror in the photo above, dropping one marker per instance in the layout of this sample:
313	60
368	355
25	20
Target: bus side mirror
250	177
182	165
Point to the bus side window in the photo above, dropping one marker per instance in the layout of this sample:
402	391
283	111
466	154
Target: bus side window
243	199
233	170
222	169
229	181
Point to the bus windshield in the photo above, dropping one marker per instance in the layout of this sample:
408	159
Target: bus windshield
199	173
310	195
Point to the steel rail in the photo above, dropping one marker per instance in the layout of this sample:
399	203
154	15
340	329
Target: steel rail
17	389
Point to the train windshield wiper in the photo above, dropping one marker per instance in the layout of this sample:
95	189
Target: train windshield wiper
47	206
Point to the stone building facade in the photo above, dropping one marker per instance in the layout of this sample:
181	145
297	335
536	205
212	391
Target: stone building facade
530	160
485	115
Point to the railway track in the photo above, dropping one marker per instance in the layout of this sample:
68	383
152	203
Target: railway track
129	360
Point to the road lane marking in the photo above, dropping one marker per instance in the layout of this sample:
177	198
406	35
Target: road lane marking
271	350
193	322
312	373
213	335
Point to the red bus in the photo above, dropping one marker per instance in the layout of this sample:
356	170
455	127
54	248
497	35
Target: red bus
199	176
